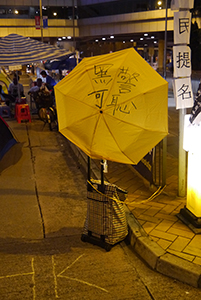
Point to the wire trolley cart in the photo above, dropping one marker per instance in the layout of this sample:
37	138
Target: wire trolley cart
105	223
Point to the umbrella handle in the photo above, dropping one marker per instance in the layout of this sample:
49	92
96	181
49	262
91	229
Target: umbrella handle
102	176
89	168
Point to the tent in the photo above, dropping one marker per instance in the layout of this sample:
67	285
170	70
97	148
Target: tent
6	138
66	64
16	49
4	81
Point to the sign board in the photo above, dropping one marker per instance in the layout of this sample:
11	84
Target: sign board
182	61
182	27
45	22
183	93
182	4
37	22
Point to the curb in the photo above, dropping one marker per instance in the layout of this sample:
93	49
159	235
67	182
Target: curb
149	251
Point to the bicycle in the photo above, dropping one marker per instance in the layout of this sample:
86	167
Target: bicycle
48	115
45	109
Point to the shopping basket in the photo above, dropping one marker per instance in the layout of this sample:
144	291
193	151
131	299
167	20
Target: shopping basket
105	223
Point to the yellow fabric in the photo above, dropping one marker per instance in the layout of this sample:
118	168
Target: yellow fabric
4	81
113	106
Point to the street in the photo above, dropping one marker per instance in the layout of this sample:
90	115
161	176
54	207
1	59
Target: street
42	210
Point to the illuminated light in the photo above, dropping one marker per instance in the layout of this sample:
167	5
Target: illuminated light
145	45
54	14
16	12
96	41
59	39
160	7
112	36
103	39
69	37
141	39
152	37
124	42
63	37
131	41
145	34
192	144
159	2
44	8
193	202
155	42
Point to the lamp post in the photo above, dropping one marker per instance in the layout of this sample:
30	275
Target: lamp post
164	159
41	20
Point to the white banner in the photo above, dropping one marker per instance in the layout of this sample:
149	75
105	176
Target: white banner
183	93
178	4
182	27
182	61
191	141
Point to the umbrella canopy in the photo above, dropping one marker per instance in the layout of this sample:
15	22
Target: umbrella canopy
16	49
113	106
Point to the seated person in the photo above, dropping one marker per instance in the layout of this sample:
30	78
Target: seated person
41	94
16	89
39	87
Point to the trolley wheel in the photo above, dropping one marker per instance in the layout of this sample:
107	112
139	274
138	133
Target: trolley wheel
108	247
42	114
49	121
83	238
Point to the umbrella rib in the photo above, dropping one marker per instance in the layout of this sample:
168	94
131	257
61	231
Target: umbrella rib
113	82
116	140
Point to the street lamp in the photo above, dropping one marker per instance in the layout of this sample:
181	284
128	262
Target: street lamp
41	20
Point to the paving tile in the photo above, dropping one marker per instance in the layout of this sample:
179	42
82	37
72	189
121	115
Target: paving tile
152	211
179	232
141	222
155	239
169	208
149	219
163	235
180	225
197	260
166	217
164	225
180	243
156	204
138	212
148	226
194	247
163	243
182	255
176	203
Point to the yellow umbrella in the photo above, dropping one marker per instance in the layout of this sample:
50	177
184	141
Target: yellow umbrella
113	106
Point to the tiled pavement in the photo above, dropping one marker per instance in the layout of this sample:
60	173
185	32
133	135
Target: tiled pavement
158	216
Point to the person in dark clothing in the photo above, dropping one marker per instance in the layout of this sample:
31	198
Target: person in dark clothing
50	82
16	89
